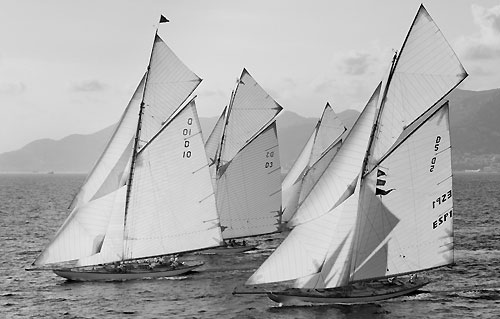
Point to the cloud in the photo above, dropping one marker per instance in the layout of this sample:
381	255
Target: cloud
486	44
12	88
356	63
89	86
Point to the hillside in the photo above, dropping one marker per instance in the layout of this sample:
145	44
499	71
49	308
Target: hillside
474	131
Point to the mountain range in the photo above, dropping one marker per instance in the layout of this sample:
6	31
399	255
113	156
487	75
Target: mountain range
474	120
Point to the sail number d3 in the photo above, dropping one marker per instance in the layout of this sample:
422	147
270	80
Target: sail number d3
269	162
186	132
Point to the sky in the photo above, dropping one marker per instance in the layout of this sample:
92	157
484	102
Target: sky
71	66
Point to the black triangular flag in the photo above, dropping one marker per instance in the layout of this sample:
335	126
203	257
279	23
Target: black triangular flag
380	173
163	19
379	191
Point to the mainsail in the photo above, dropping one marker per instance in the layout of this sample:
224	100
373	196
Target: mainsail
172	205
248	170
395	216
169	152
327	133
408	226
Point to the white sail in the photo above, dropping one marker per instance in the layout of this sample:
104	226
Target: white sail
169	84
426	70
82	235
250	111
172	204
98	194
408	226
106	175
327	132
212	145
249	188
110	242
339	178
292	183
315	172
305	251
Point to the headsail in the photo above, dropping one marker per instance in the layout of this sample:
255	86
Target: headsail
338	181
94	203
327	132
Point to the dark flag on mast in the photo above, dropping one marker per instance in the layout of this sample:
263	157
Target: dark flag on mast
163	19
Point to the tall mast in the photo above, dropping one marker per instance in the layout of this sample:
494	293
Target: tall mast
137	139
379	112
223	137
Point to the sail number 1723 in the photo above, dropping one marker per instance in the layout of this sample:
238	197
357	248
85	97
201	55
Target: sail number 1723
441	199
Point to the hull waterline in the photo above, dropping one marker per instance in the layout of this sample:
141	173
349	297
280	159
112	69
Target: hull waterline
76	274
228	250
355	296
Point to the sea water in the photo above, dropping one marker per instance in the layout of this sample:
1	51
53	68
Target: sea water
33	206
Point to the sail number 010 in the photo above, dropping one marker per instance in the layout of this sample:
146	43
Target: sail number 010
186	132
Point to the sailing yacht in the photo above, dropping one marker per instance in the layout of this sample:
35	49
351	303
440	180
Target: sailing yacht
244	160
131	216
322	145
382	212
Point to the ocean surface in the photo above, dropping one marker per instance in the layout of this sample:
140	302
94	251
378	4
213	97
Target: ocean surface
33	206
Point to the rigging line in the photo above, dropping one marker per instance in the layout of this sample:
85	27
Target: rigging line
190	136
278	168
444	180
267	149
167	122
199	169
203	199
